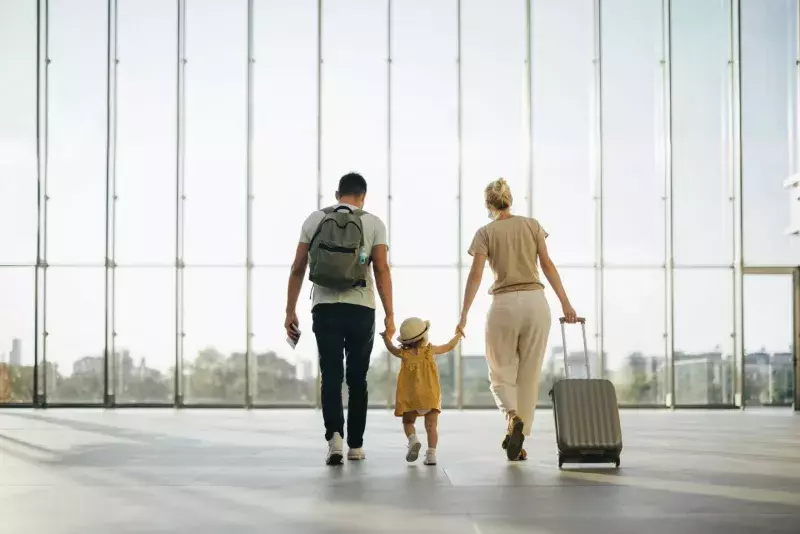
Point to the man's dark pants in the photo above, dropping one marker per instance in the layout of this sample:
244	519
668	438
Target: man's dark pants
346	329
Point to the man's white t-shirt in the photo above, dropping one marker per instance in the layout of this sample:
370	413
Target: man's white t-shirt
374	234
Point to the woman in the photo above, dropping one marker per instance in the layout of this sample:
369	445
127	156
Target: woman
518	322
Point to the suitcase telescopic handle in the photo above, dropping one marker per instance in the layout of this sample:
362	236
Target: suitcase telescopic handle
582	321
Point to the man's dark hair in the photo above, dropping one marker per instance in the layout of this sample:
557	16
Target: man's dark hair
352	184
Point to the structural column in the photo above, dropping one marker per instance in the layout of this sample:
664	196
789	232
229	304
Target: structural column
110	360
249	367
460	174
180	199
669	272
319	152
734	68
42	123
597	134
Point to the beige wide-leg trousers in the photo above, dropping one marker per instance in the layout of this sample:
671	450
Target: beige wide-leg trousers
517	327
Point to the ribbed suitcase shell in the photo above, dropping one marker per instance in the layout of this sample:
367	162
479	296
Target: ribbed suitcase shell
587	417
586	412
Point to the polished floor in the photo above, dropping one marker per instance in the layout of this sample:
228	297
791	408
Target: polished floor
231	471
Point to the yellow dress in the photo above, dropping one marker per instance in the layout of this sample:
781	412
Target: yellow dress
418	382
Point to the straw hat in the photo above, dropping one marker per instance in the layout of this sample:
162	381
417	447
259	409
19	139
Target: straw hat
413	329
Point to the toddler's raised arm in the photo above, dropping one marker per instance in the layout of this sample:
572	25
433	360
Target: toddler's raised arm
389	345
444	349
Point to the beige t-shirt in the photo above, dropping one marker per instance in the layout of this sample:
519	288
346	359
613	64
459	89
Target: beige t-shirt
512	247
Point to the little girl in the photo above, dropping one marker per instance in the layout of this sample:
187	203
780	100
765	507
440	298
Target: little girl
418	391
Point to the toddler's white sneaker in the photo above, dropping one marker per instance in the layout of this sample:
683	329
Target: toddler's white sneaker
413	448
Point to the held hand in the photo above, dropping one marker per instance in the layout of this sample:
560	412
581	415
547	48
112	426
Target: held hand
461	326
389	328
291	324
569	313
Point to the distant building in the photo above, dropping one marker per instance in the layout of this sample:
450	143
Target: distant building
781	375
641	380
88	365
15	358
703	378
757	375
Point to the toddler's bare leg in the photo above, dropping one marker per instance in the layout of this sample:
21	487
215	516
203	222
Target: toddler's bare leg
432	428
409	418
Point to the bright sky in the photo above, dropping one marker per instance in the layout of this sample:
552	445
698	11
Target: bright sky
424	163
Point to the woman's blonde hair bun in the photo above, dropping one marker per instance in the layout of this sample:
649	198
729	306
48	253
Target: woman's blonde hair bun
498	195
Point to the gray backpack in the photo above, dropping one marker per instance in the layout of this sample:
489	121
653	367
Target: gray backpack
336	254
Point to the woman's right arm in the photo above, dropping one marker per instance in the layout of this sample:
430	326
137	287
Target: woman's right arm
551	273
473	284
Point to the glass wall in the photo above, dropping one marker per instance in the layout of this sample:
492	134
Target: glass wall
155	196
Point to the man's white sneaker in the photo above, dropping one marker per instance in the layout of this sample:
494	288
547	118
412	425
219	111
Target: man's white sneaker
430	457
356	454
334	456
413	449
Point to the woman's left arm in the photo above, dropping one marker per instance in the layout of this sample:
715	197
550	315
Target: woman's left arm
551	273
473	284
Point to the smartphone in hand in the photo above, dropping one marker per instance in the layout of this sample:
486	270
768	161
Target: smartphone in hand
293	337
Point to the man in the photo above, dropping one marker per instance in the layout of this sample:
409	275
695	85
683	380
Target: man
341	242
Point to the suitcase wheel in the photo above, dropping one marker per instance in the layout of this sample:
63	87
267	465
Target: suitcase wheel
560	461
616	463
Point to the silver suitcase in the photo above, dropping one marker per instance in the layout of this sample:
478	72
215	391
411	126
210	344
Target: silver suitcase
586	413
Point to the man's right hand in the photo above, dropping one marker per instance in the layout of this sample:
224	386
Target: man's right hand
291	324
389	328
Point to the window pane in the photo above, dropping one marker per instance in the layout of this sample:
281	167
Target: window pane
144	320
563	83
432	295
285	127
214	345
282	375
18	132
633	144
580	287
76	334
354	98
769	122
473	347
704	365
424	159
16	334
634	334
216	132
769	377
701	172
76	212
146	123
493	91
